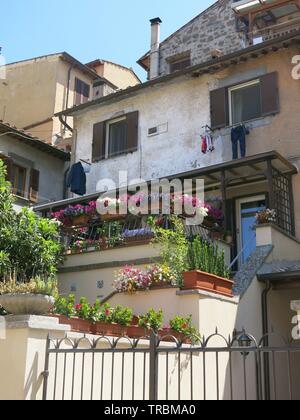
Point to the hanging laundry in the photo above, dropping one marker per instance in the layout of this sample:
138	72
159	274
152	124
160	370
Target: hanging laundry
238	136
210	143
204	145
77	179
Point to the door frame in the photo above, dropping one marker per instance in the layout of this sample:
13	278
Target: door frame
238	218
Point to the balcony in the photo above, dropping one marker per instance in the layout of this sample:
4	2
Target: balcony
267	19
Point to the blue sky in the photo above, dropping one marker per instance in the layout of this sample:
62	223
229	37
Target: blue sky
114	30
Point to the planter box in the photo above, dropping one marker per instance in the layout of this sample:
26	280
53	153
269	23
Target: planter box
136	332
198	280
111	330
167	334
77	324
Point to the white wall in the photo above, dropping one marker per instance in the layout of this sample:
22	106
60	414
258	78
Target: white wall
182	105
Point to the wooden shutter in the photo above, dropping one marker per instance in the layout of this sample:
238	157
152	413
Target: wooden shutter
269	94
34	185
132	131
9	170
219	108
99	142
78	91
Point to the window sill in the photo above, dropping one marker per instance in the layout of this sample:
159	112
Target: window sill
115	156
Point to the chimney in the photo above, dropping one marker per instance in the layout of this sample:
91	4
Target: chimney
155	44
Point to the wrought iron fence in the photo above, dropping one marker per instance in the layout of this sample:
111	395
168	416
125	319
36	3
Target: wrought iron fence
165	369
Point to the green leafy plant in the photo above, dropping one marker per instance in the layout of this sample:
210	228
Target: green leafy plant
65	306
207	257
152	320
29	242
185	326
35	286
112	231
173	245
83	309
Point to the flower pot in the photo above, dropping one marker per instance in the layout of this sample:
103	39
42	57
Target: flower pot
229	240
168	336
103	244
109	330
134	331
26	304
215	235
198	280
77	324
81	220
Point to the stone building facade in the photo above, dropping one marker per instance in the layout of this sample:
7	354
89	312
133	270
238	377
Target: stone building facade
214	29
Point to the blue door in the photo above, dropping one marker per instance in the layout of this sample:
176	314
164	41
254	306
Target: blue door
247	214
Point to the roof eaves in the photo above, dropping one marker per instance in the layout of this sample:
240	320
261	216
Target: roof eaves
211	66
30	140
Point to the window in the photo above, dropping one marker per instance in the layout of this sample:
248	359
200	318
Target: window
82	92
179	62
241	103
19	180
245	102
115	137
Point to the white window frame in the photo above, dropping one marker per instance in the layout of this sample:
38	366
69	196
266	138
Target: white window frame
108	124
235	88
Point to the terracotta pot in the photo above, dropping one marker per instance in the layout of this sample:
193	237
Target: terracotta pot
136	332
103	243
215	235
135	320
168	334
198	280
77	324
110	330
229	240
81	220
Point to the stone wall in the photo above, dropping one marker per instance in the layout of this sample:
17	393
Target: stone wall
215	28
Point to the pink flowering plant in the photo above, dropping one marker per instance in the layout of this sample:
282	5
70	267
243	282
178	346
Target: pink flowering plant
130	279
70	212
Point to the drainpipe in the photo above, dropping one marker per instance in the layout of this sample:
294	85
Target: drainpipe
265	327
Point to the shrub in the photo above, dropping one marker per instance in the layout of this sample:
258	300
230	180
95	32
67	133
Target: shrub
173	245
205	256
65	306
185	326
36	286
31	244
152	320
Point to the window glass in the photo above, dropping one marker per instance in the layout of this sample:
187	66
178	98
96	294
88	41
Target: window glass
246	103
19	180
117	142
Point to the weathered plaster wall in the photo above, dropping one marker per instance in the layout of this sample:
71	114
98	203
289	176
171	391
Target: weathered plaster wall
215	28
51	168
183	106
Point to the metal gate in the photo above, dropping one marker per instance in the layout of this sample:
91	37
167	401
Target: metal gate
165	369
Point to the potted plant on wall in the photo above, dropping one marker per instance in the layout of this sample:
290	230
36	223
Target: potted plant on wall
35	297
207	269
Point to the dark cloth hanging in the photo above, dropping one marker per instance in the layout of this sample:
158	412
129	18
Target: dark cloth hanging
77	179
238	135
